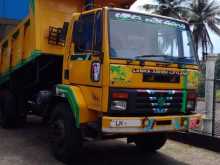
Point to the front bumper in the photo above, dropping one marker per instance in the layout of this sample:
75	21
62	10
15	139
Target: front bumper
130	125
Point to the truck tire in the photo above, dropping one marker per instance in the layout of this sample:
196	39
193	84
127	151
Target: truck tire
8	108
64	136
150	143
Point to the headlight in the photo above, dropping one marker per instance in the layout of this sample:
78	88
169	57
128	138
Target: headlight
119	105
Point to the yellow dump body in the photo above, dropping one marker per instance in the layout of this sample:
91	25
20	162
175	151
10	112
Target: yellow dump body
31	35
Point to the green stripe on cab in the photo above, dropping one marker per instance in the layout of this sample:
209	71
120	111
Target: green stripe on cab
184	89
71	98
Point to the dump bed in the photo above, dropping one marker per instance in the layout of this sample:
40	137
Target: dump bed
30	38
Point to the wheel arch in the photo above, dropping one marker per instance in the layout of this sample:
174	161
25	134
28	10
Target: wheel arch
74	97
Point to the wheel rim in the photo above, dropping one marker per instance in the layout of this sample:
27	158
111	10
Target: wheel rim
57	133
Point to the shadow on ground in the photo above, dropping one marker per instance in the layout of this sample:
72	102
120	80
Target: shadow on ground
29	145
118	152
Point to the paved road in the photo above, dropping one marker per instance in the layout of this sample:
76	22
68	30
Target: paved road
28	146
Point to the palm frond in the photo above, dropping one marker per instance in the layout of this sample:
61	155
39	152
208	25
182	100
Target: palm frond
201	36
213	11
214	27
159	1
200	14
179	2
209	6
217	20
192	16
207	36
150	7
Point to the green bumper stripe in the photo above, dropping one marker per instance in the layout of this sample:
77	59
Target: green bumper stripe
72	101
184	96
6	76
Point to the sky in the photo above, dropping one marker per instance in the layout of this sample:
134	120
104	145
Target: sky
215	39
13	9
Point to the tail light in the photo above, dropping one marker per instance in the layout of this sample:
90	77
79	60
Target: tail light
192	95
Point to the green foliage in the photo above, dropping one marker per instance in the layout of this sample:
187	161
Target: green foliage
201	14
218	95
217	69
166	7
201	89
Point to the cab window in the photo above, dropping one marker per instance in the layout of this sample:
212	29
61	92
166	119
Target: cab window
90	33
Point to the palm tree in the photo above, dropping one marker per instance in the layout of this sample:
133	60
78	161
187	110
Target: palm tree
169	8
201	14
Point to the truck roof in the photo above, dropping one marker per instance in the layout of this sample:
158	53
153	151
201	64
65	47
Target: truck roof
116	3
149	14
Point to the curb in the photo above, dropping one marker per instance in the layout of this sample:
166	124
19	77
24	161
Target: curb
198	140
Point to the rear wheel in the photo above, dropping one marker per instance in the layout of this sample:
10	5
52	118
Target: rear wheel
8	109
150	143
65	138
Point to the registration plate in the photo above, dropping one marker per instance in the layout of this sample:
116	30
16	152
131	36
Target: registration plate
126	123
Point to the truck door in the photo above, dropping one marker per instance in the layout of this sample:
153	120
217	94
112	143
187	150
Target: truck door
85	66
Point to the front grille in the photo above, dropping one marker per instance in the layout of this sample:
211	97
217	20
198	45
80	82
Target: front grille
158	101
151	102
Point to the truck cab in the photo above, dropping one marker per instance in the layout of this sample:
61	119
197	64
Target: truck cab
134	66
130	75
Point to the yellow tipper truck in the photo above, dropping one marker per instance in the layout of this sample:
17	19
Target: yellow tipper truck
94	69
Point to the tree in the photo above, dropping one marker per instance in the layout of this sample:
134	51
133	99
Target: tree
201	14
169	8
217	68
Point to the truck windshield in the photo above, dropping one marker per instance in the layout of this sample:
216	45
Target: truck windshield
137	36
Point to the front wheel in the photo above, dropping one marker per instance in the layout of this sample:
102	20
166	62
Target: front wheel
151	142
64	136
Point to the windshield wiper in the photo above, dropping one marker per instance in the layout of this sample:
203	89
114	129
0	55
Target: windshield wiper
166	59
169	59
185	58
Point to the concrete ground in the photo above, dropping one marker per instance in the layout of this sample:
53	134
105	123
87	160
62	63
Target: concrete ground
29	146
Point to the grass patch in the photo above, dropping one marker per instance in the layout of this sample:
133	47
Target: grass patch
217	95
